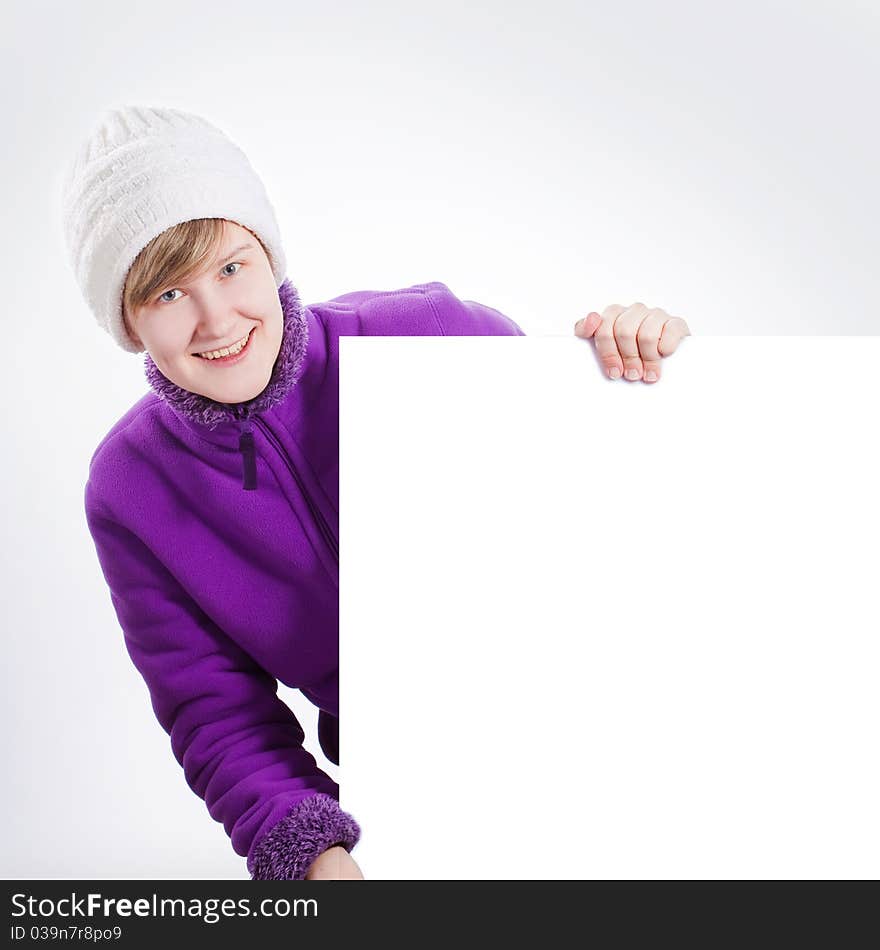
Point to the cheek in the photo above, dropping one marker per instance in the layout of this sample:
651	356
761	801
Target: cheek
171	350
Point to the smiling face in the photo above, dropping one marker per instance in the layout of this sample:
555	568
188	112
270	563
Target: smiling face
233	299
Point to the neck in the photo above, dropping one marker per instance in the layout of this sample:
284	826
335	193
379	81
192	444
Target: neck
285	372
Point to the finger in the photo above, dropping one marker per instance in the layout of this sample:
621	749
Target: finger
606	347
674	331
625	329
587	326
647	337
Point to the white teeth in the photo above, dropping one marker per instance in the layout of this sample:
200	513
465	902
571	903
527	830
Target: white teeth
226	351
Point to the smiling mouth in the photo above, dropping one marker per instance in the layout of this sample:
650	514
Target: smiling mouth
215	356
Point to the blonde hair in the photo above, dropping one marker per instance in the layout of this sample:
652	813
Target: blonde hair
173	256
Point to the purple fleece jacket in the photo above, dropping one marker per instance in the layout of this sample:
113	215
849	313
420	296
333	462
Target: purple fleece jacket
216	528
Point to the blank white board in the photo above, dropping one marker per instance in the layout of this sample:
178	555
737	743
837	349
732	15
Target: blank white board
603	629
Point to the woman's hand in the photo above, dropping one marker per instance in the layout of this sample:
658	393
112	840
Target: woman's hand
334	864
632	340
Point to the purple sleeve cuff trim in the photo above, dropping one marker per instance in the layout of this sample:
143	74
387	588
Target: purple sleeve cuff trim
287	850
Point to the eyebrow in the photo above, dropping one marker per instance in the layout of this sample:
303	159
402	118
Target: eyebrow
238	250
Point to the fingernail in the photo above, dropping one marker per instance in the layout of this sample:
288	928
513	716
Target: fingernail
650	376
632	374
614	372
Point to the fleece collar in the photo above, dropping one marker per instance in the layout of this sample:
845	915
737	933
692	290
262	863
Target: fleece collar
287	369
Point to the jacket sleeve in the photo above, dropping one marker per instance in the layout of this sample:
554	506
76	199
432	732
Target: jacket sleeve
467	317
239	745
427	310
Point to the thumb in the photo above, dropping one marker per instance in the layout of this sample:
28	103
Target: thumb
587	326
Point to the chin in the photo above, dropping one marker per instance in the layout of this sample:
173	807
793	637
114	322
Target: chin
241	393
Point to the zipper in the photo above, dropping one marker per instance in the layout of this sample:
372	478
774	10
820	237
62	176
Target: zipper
316	513
248	451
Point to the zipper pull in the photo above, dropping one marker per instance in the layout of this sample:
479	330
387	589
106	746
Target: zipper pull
248	457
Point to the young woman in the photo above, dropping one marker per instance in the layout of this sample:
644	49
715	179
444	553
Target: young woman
213	502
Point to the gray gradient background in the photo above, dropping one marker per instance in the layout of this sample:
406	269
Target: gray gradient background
546	159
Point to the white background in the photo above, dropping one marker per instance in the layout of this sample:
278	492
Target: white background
545	159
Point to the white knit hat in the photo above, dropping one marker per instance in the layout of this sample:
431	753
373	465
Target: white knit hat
141	171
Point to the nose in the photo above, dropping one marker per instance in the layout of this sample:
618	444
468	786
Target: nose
215	320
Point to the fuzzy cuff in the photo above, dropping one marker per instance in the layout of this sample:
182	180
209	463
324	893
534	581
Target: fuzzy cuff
287	850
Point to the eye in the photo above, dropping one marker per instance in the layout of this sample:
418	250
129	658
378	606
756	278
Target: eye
163	298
